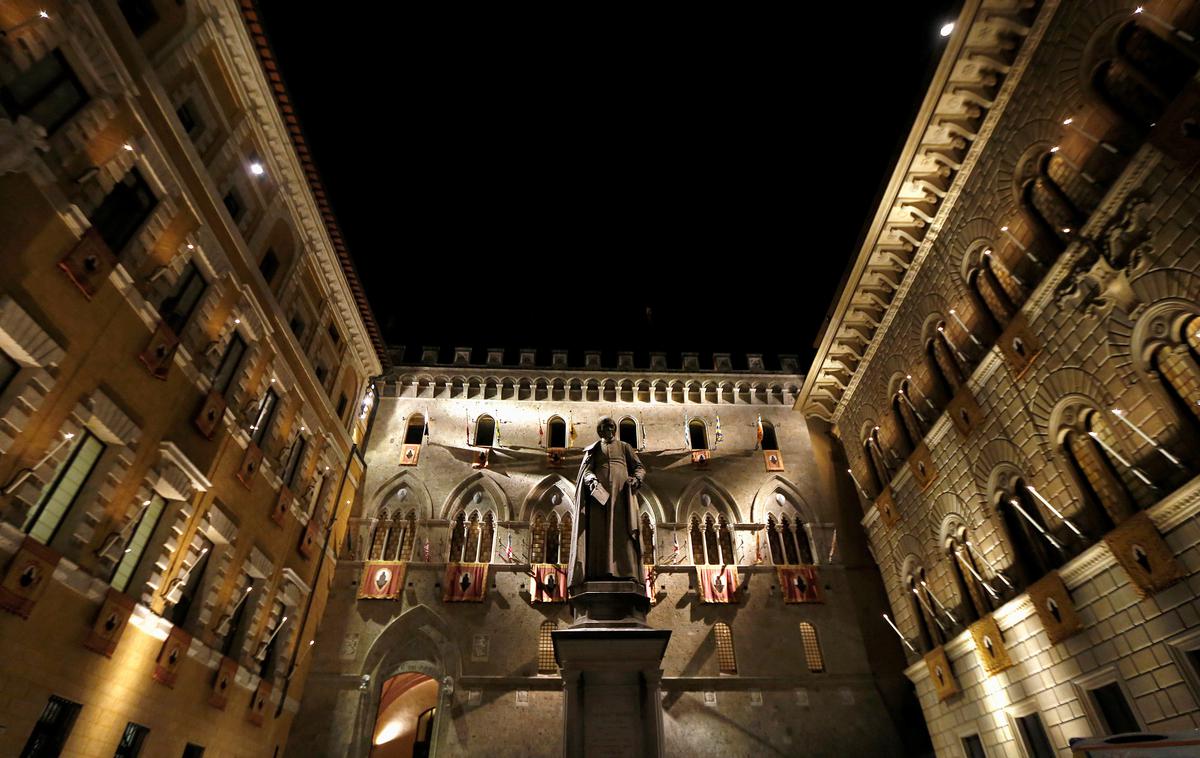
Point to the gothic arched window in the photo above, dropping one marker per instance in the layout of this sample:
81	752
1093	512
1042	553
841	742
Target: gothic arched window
1034	555
775	542
393	539
487	538
697	538
648	544
379	538
552	539
537	551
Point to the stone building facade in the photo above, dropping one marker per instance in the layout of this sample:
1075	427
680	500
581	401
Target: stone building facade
1013	373
183	360
756	676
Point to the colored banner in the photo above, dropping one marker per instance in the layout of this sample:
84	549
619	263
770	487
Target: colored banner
548	583
799	584
464	582
382	580
258	703
212	410
27	577
282	504
89	263
110	623
717	584
226	674
159	353
170	655
250	463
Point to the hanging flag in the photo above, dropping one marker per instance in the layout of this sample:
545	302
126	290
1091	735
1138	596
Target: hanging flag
687	438
759	433
425	550
381	580
467	418
571	416
641	433
717	584
547	584
799	584
832	546
651	575
496	439
464	582
720	434
674	547
541	432
508	553
426	424
758	559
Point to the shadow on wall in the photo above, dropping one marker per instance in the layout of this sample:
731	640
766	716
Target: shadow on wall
407	709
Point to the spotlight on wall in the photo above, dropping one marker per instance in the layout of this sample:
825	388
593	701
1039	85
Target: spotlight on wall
257	169
947	29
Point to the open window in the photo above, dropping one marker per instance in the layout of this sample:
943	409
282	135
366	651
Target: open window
627	431
60	495
414	436
556	433
485	431
48	92
124	210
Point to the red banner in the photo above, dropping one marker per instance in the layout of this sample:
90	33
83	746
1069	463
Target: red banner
282	504
224	679
89	263
170	655
799	584
548	583
249	467
464	582
110	623
717	584
160	352
308	539
258	704
27	577
212	410
382	580
651	574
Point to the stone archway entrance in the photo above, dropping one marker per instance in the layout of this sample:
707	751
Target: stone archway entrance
404	722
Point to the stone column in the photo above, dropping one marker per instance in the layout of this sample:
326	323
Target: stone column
611	667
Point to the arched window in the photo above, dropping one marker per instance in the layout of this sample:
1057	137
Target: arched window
929	626
627	430
698	434
556	432
712	547
725	541
471	545
537	551
697	538
1142	77
565	535
1085	445
909	432
945	360
458	535
379	539
1034	555
789	543
414	431
408	535
769	440
775	541
877	463
485	431
996	289
647	535
726	660
1178	366
812	648
393	540
977	595
487	539
552	537
547	663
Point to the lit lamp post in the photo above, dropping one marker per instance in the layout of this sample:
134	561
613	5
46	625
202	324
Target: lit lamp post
961	325
991	567
1070	122
898	633
1121	459
1121	415
997	262
918	390
1049	538
1021	245
856	484
1056	150
1141	11
1054	510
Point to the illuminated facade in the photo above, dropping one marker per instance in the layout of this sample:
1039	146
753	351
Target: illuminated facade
471	469
1013	372
183	355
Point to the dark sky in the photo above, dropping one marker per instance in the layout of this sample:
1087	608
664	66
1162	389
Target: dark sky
663	180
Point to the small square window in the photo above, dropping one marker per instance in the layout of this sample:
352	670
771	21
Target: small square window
973	746
1034	737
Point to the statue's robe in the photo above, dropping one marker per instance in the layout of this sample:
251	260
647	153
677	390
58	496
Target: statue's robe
606	544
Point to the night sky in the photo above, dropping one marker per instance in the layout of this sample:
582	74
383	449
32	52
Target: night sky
654	180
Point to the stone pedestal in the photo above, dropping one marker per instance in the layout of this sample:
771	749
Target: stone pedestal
611	668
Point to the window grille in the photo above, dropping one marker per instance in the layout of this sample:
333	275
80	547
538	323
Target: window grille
726	661
812	647
546	661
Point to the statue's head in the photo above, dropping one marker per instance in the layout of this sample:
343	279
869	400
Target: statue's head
606	428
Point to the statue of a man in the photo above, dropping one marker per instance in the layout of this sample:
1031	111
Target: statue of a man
606	543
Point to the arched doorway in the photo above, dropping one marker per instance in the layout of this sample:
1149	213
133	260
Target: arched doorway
405	720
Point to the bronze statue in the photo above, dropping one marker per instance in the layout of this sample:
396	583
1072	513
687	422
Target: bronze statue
607	545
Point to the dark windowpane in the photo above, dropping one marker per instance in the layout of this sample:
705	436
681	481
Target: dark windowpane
1114	708
48	92
148	519
341	404
333	334
122	212
628	431
139	14
178	306
187	119
233	205
8	370
322	372
698	435
269	265
556	433
973	746
130	745
294	457
1033	734
192	582
52	728
769	442
485	431
297	327
415	431
193	751
229	363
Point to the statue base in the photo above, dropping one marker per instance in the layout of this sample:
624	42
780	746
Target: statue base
611	667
